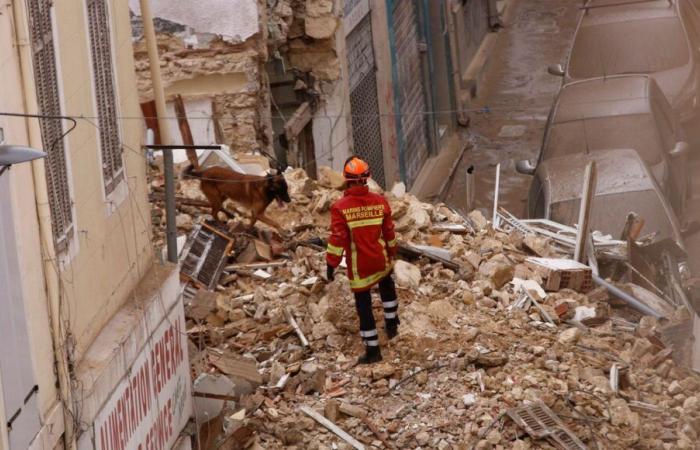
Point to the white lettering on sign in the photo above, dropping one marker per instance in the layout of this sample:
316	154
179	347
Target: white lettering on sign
355	16
152	404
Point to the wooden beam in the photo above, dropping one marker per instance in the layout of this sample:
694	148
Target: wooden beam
589	184
292	321
332	427
494	218
185	131
298	121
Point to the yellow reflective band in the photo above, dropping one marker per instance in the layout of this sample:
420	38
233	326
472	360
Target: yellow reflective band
365	223
382	244
354	272
370	280
392	243
333	250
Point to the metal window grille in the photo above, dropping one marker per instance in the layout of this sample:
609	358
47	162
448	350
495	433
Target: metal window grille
540	422
364	102
105	93
48	100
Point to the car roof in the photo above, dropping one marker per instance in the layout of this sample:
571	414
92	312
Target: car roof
621	11
617	95
617	171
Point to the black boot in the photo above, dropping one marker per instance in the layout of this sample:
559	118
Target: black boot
372	355
392	327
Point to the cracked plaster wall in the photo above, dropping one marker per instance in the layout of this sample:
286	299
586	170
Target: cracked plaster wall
199	62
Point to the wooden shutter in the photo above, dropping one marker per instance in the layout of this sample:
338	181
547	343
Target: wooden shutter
105	94
48	100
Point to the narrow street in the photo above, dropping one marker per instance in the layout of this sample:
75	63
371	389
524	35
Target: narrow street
515	97
513	104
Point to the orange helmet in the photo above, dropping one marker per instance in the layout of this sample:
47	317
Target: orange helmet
356	169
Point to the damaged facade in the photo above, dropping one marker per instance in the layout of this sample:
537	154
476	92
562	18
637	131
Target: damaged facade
313	81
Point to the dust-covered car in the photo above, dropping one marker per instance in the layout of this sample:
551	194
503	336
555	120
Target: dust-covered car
624	111
624	185
639	37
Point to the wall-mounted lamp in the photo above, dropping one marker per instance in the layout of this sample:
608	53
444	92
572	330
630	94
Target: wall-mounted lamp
16	154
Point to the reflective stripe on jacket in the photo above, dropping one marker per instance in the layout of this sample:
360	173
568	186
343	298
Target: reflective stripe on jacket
362	229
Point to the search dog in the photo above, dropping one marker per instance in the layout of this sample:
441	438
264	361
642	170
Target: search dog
253	192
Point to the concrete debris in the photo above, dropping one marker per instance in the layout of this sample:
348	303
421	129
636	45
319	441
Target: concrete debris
469	400
398	190
407	275
206	409
352	410
497	272
478	220
474	341
329	178
569	336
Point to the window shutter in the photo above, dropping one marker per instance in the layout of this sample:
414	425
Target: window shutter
102	67
48	100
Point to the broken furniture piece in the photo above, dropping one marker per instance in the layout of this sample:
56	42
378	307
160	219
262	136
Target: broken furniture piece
204	256
565	236
540	422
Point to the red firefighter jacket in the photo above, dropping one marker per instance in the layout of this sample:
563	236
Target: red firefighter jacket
361	227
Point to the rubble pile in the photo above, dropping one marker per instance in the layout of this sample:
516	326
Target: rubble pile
273	349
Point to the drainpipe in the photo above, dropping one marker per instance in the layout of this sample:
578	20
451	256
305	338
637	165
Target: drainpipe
159	97
50	262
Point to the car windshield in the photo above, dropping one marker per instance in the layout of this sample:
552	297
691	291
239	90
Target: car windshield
636	131
609	213
637	46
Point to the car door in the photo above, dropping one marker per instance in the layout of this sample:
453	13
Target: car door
671	134
690	13
536	198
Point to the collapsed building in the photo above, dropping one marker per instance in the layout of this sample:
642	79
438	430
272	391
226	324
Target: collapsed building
312	81
505	342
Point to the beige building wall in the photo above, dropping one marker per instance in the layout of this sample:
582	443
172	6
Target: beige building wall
24	213
111	249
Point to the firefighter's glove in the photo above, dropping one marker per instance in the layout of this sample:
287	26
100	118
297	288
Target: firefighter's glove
330	272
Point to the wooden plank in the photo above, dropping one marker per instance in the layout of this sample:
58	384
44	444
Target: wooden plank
234	365
494	219
589	183
332	427
298	121
227	398
185	131
256	265
179	200
292	321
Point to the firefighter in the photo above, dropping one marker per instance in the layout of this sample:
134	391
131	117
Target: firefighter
362	229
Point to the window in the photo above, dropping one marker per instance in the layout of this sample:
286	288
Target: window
105	93
636	131
638	46
46	79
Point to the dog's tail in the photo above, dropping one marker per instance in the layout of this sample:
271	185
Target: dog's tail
191	172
